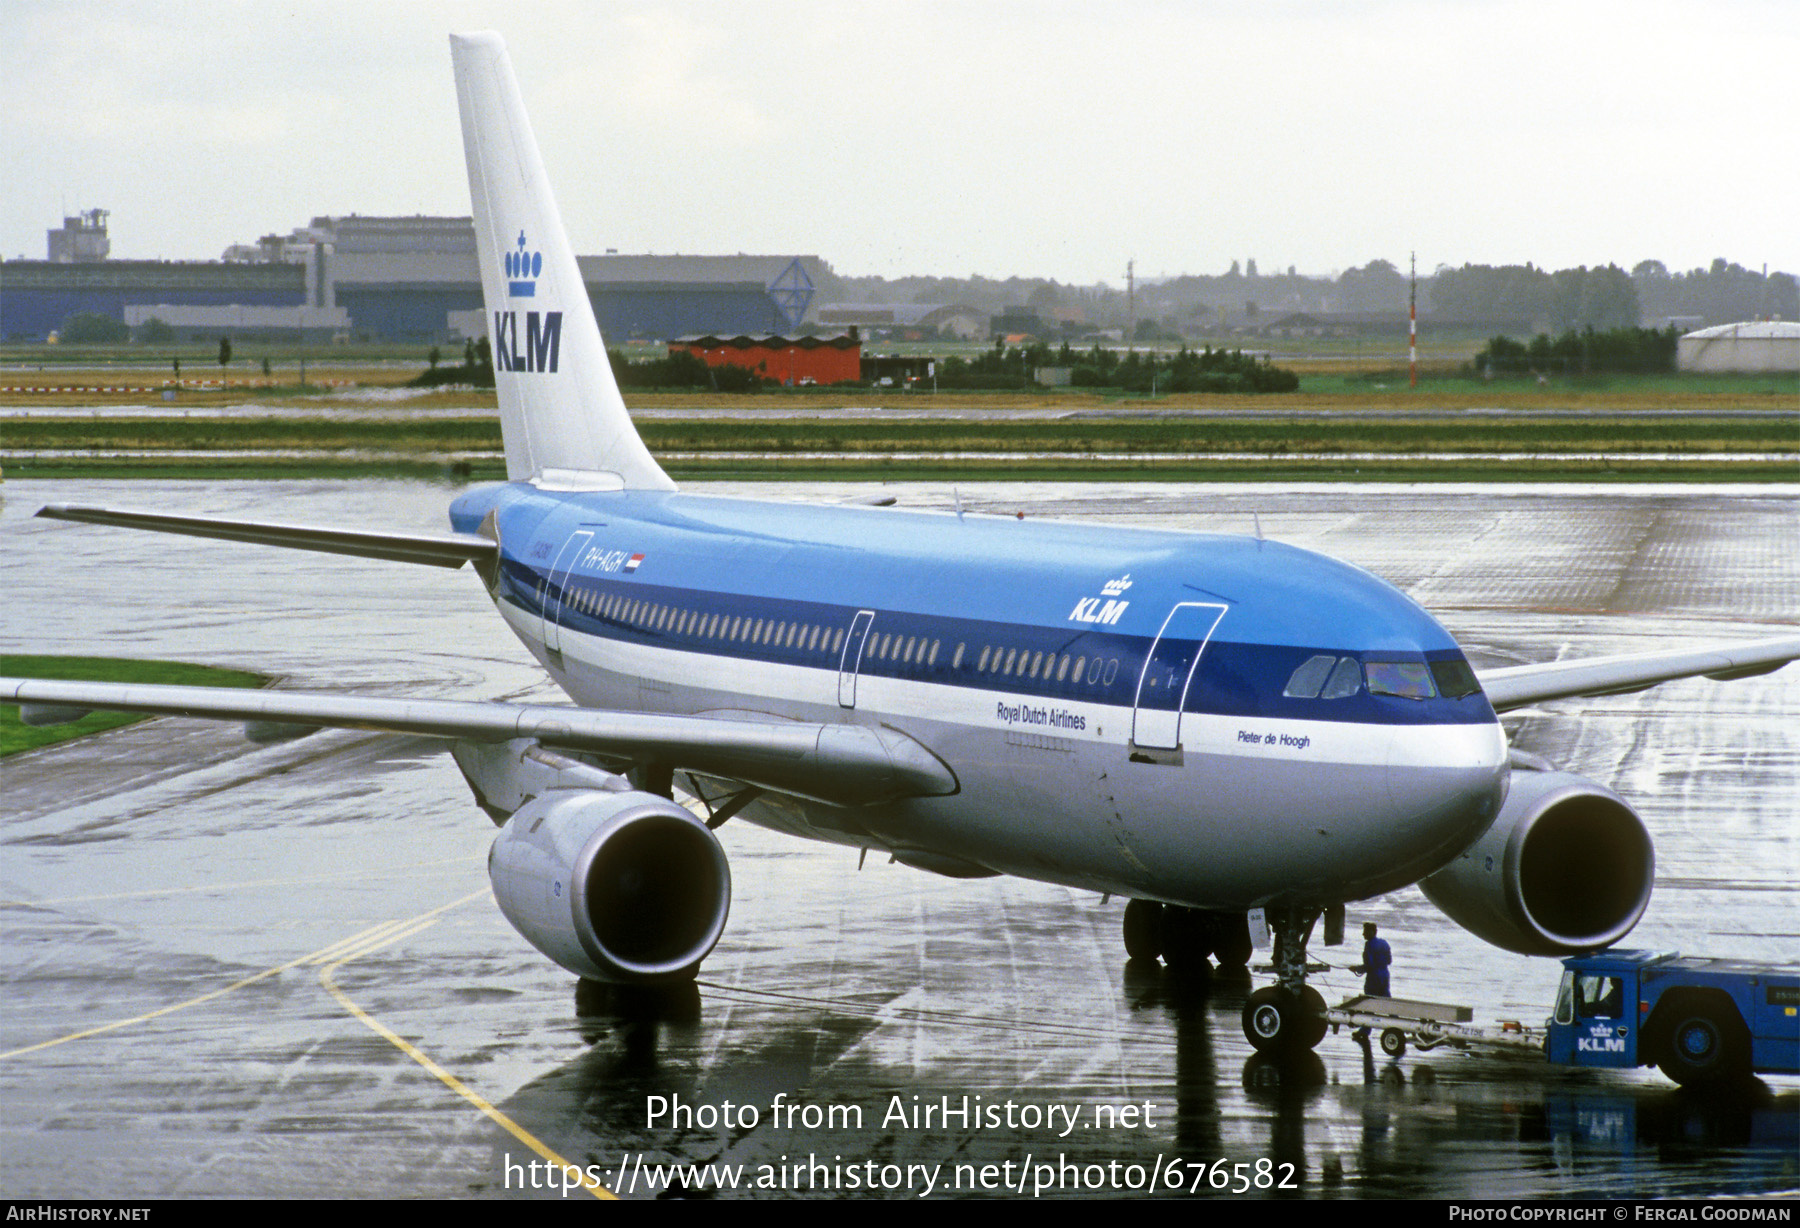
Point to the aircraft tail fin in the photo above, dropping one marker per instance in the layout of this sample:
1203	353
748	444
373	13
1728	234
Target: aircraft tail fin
560	408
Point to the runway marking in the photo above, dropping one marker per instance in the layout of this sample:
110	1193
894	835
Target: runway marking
370	941
333	957
264	975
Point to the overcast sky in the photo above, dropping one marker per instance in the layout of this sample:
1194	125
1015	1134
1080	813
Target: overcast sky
1037	139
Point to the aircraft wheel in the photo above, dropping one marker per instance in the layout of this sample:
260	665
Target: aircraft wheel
1231	939
1143	929
1703	1047
1393	1042
1186	940
1279	1022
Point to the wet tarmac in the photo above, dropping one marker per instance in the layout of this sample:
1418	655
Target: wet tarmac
177	907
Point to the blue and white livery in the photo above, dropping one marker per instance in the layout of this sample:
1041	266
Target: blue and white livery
1204	725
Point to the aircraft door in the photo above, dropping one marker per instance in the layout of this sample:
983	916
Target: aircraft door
555	583
852	658
1169	672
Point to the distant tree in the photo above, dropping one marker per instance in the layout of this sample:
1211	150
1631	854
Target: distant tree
155	332
1234	270
224	352
436	356
1250	267
92	328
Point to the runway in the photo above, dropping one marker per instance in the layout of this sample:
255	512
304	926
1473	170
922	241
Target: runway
178	905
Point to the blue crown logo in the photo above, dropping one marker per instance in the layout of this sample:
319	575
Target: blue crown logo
522	269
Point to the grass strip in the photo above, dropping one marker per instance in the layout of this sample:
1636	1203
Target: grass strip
1165	433
16	736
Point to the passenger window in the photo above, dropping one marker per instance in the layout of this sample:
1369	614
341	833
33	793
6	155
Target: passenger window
837	641
1037	659
1012	654
1345	680
1407	679
1112	670
981	665
1305	682
1062	671
956	661
1079	662
932	659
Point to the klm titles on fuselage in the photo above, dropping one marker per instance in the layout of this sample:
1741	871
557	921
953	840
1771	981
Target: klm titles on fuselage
543	329
1106	608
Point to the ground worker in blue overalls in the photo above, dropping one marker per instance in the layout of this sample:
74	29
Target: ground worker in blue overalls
1376	958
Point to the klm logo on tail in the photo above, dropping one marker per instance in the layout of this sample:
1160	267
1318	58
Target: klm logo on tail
543	341
522	269
543	330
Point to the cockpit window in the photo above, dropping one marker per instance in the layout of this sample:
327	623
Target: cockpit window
1345	680
1407	679
1455	679
1325	677
1311	675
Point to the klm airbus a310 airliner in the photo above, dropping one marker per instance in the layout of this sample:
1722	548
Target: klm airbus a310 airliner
1203	725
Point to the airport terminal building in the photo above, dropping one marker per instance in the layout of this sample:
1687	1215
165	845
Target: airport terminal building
383	279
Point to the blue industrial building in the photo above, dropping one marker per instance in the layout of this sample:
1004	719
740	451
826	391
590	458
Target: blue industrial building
404	278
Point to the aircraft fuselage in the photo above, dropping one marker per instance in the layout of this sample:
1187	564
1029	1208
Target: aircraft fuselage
1124	711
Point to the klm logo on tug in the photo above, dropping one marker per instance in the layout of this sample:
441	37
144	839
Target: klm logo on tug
543	330
1106	608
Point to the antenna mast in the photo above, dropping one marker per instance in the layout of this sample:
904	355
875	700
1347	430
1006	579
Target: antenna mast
1412	324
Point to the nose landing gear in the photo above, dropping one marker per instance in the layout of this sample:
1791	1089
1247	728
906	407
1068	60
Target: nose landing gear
1289	1016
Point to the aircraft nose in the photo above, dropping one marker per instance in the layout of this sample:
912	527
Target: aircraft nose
1446	783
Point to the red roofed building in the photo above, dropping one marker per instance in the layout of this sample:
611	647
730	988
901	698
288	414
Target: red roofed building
786	360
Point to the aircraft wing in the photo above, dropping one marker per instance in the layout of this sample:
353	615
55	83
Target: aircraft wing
437	549
1516	686
840	764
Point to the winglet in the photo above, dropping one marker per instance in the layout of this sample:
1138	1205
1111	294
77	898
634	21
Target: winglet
560	407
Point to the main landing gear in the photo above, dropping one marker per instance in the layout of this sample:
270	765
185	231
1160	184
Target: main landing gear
1289	1016
1283	1018
1184	938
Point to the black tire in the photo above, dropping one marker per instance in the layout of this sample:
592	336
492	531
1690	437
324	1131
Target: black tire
1186	940
1705	1047
1277	1022
1231	939
1143	929
1393	1042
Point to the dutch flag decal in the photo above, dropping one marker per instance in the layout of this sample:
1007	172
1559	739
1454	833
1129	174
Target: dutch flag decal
631	564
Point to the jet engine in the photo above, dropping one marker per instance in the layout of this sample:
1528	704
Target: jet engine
1566	866
614	886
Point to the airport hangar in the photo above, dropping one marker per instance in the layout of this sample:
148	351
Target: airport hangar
383	278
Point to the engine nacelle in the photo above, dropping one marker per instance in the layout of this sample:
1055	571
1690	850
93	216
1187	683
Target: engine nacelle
1566	866
613	886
